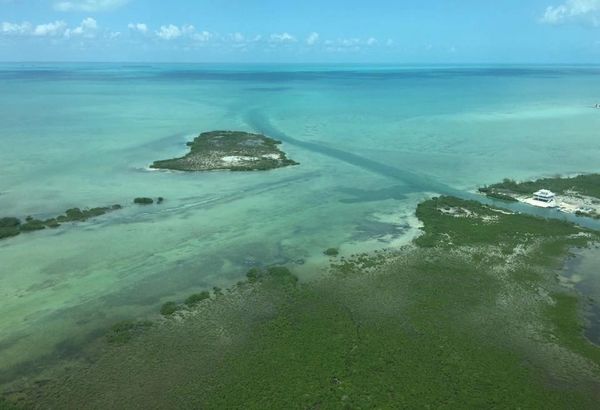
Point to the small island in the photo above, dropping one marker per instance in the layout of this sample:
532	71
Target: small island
578	195
11	226
229	150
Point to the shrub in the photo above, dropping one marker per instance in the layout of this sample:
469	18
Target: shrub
74	214
123	332
8	232
281	275
90	213
51	223
32	225
143	201
332	252
501	196
196	298
9	222
253	275
169	308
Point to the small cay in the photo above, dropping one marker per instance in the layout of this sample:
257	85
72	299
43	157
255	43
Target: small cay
229	150
11	226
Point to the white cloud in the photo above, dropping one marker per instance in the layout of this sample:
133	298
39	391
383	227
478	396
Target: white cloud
312	39
350	44
202	36
139	27
15	29
389	42
573	11
56	28
89	5
282	38
87	28
169	32
172	32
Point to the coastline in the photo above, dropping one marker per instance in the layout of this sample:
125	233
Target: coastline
236	322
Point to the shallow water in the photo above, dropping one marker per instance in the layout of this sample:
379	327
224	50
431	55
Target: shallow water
372	142
582	271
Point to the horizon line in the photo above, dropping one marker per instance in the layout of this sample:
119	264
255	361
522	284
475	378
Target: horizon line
302	63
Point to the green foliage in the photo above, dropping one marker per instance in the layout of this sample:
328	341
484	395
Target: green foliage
501	196
594	215
168	308
79	215
9	222
196	298
123	332
32	225
253	275
564	315
74	214
51	223
5	404
588	184
435	327
450	231
11	226
8	232
274	275
214	144
332	252
143	201
281	275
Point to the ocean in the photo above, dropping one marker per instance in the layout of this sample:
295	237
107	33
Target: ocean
372	142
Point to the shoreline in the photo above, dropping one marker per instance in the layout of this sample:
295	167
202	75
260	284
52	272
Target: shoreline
229	150
577	195
445	243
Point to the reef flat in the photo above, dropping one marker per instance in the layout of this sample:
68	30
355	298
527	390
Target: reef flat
229	150
578	195
471	315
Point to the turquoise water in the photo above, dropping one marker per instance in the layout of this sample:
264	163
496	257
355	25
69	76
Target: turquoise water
372	143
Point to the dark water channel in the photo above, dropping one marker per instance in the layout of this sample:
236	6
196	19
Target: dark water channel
582	270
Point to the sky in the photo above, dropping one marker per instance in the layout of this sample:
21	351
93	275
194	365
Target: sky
302	31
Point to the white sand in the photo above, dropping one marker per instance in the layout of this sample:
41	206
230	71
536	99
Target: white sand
234	159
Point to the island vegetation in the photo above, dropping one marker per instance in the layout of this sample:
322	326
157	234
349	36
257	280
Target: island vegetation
229	150
472	315
586	184
11	226
331	252
143	201
579	195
